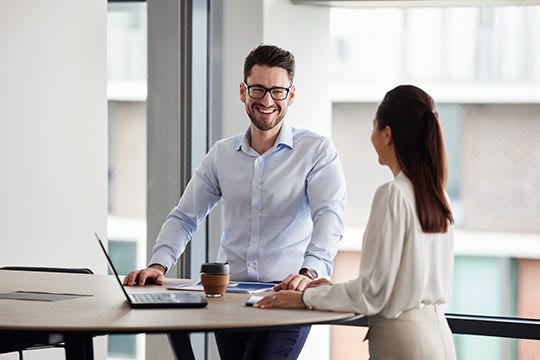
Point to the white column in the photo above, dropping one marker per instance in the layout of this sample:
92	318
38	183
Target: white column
303	30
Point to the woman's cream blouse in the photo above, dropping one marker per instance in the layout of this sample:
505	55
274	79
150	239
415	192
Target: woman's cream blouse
401	267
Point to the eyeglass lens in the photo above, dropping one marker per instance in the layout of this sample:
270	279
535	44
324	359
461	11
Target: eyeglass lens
277	93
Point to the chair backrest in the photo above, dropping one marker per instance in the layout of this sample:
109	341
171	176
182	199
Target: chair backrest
49	269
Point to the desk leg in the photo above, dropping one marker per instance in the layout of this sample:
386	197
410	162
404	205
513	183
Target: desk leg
181	345
79	347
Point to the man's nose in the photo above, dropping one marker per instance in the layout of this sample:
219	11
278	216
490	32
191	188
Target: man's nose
267	99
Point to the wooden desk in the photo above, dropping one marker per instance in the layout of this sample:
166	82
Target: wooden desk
106	312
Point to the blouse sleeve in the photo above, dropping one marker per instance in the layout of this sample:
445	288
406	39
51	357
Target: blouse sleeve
380	258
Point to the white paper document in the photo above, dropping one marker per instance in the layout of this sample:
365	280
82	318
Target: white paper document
246	287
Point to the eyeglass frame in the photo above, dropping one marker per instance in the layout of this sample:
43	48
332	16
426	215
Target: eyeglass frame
268	90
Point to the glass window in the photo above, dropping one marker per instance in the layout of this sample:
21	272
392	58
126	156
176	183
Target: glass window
126	91
482	66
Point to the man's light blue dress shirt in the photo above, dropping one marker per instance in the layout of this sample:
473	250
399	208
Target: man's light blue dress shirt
282	210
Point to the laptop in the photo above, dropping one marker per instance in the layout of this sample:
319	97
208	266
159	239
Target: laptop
156	300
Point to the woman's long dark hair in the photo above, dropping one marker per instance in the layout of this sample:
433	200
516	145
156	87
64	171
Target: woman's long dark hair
419	146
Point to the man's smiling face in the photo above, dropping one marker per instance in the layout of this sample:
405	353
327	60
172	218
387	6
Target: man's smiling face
267	113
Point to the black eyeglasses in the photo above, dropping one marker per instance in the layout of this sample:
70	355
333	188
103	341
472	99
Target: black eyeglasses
258	92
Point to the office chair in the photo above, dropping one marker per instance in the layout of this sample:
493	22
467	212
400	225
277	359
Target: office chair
21	342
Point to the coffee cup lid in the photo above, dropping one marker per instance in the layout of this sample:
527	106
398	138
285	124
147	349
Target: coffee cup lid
215	268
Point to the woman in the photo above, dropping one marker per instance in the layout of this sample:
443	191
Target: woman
407	252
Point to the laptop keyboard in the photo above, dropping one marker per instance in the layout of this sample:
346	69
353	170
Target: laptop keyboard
154	298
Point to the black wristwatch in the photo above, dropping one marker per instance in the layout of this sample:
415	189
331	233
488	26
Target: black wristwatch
310	273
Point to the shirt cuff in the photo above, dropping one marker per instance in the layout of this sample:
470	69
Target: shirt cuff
155	263
306	298
317	265
161	260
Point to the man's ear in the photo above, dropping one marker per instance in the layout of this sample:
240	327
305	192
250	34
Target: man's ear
243	92
292	94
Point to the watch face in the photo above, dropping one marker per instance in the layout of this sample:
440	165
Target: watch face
309	273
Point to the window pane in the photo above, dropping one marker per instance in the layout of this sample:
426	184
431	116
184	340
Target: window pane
481	65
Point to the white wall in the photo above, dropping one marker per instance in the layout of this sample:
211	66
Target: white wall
53	132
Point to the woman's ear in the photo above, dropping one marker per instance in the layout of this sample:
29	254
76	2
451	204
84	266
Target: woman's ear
387	135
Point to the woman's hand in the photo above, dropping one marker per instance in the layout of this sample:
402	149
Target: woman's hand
284	299
319	282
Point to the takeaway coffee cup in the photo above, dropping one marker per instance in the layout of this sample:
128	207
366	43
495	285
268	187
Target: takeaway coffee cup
214	278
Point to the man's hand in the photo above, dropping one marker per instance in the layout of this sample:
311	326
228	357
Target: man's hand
151	275
293	282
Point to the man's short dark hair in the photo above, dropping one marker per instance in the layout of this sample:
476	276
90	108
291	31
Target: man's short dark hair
271	56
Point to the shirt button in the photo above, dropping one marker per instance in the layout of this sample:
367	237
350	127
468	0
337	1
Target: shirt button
255	211
254	239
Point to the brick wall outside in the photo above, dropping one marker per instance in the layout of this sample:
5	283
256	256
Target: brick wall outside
500	160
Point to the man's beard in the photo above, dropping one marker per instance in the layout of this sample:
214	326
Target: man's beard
263	126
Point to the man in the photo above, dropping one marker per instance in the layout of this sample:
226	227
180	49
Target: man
283	194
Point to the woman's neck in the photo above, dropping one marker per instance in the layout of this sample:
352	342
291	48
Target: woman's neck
393	164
